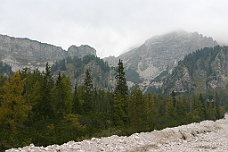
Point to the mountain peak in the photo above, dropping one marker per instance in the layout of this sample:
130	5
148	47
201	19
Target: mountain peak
162	52
24	52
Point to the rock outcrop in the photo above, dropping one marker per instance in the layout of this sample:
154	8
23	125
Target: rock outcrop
21	52
162	53
203	69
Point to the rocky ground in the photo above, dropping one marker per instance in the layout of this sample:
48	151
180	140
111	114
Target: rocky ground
205	136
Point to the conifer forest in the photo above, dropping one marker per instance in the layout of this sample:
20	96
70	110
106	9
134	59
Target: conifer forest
37	108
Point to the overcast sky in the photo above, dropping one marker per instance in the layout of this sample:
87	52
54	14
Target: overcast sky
111	26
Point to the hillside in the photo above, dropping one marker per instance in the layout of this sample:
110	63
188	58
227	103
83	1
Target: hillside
200	71
75	68
160	53
21	52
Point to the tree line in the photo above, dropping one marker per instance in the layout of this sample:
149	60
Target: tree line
36	107
202	59
79	64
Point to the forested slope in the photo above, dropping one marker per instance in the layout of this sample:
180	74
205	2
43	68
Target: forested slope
204	71
75	68
37	108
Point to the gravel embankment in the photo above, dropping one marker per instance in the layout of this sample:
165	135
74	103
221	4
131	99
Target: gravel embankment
205	136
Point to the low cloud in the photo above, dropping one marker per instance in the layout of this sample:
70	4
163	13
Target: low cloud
111	27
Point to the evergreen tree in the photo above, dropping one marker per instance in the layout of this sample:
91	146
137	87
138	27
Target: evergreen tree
182	108
34	96
170	113
45	106
121	81
77	105
173	95
121	94
119	115
109	100
87	105
203	106
217	106
211	111
196	114
138	111
63	101
152	111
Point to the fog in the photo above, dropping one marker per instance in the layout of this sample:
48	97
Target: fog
111	26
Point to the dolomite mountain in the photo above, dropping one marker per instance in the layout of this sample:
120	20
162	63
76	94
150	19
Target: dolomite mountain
199	71
160	53
23	52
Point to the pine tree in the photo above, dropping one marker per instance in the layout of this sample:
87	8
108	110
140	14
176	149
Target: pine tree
211	111
170	113
121	81
34	96
77	105
118	113
152	111
138	111
121	95
87	105
45	106
203	107
63	97
173	95
182	108
31	77
217	106
196	111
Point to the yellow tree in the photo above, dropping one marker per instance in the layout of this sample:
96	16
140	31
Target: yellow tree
13	112
13	108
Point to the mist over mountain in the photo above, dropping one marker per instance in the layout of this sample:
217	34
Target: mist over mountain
81	96
160	53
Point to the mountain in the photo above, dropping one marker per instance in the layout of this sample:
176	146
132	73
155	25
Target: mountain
199	71
103	77
160	53
21	52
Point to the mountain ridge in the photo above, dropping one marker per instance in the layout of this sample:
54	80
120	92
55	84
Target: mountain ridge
161	53
199	71
21	52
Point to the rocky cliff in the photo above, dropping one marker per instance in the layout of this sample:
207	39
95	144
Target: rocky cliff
21	52
103	77
202	70
161	53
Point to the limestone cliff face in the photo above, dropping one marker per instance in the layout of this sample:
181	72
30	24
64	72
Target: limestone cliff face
179	81
219	77
204	69
162	53
21	52
80	51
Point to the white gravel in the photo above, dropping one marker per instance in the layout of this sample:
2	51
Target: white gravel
207	136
